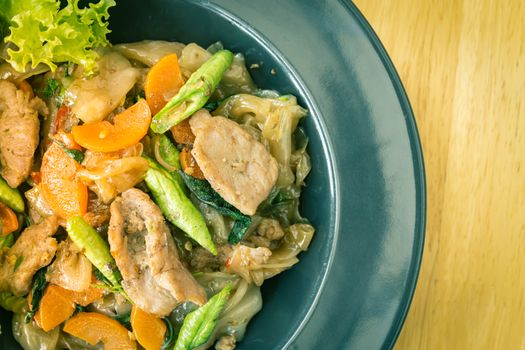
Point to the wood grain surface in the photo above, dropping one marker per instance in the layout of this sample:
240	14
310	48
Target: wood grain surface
463	65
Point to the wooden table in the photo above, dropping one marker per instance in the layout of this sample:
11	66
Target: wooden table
463	65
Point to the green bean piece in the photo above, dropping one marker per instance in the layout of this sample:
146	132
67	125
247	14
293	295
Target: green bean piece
176	207
94	248
169	152
166	152
194	94
199	324
11	197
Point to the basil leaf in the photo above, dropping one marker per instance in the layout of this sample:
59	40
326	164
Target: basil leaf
206	194
211	106
124	319
37	293
78	309
170	334
52	88
239	229
77	155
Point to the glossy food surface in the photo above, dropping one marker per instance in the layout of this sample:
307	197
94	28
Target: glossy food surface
365	195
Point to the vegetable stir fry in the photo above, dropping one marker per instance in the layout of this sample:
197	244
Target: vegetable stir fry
147	190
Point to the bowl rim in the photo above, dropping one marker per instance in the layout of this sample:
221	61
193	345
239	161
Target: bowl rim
419	168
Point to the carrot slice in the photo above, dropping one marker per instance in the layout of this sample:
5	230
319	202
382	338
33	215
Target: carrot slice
86	297
189	164
93	328
58	304
55	307
182	133
8	219
64	193
148	329
128	128
163	82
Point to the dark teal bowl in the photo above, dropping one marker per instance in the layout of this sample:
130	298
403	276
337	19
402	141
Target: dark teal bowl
366	193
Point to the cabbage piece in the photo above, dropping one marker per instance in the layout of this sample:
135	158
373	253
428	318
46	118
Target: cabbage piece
67	341
244	260
113	305
283	206
44	33
243	305
32	337
13	303
95	98
236	79
300	159
149	52
192	57
214	282
8	72
258	264
109	174
296	240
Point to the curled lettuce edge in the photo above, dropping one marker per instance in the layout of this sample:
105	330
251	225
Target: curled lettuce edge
41	32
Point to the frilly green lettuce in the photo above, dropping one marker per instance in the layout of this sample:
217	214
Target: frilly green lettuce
42	32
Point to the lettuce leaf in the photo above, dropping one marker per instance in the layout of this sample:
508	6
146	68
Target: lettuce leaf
42	32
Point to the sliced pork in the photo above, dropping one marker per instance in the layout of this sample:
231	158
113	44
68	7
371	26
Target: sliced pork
34	249
236	165
19	127
146	255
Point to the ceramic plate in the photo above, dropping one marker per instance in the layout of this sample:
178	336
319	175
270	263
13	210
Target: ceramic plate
366	192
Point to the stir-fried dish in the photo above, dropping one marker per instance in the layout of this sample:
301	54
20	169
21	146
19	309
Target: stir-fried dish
147	189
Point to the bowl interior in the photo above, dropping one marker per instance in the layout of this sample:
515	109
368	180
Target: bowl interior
288	297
